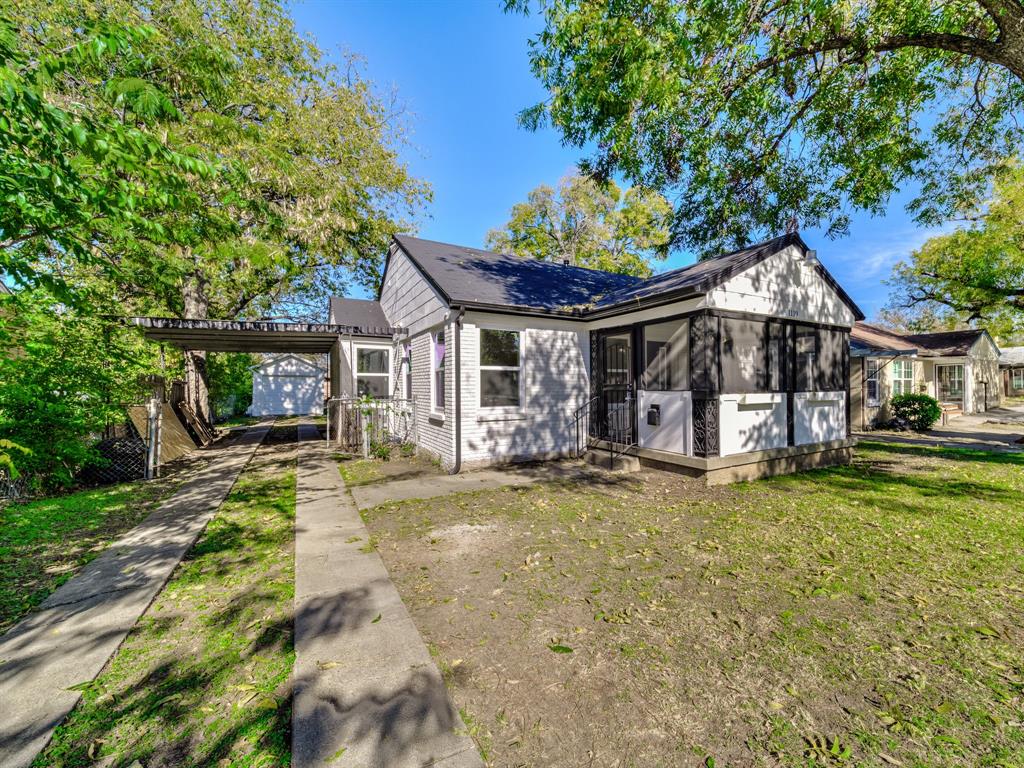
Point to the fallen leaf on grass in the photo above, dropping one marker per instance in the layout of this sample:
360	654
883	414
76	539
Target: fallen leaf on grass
560	648
337	755
376	619
327	664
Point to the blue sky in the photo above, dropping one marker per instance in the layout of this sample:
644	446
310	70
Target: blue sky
461	69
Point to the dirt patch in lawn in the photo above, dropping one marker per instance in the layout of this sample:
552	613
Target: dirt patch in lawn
204	678
862	615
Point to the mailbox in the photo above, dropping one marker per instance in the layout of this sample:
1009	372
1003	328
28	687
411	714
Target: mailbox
654	415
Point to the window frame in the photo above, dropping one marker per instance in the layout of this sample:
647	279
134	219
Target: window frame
357	348
435	409
902	384
873	400
520	336
406	370
1017	378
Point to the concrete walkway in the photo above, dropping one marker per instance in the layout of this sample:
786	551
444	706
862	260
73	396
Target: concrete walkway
78	628
369	496
366	692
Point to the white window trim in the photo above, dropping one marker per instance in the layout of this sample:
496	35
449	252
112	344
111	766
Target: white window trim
435	412
492	410
873	402
388	374
1017	378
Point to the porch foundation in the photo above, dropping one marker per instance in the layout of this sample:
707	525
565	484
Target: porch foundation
721	470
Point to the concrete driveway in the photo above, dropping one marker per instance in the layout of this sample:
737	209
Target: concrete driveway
998	429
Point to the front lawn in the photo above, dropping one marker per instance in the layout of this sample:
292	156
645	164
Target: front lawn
865	615
44	543
204	677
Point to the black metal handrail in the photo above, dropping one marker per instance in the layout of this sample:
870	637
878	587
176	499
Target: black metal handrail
581	420
612	423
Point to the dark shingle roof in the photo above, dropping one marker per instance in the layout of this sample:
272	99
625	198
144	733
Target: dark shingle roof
472	276
484	278
946	343
940	344
868	340
366	317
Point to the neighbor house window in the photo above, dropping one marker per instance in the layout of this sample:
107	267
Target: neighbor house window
1018	378
871	381
373	371
666	356
437	364
951	381
499	368
902	377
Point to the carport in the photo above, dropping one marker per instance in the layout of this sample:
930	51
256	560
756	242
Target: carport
193	335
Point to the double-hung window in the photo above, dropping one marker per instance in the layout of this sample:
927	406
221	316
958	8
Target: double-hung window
373	372
902	377
871	381
1018	378
437	366
500	358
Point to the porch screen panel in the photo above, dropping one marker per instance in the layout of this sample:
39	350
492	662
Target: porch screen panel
820	356
666	356
703	360
744	356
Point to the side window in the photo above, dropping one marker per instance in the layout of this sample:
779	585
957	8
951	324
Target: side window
373	372
499	368
437	364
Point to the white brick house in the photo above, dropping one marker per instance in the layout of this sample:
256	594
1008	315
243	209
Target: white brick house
734	367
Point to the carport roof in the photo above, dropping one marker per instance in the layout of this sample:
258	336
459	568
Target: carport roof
249	335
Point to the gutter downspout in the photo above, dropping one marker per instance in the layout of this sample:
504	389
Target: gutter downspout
457	388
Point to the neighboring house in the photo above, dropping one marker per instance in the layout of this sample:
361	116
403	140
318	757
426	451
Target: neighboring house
1011	365
734	367
957	368
287	385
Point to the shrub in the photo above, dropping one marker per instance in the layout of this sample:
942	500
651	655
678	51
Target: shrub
920	412
408	450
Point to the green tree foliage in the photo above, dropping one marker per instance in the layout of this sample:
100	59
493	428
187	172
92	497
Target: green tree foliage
591	225
64	375
230	375
791	114
297	182
316	187
975	273
78	183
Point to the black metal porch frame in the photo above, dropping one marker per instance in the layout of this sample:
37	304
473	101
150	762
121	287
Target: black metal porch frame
705	337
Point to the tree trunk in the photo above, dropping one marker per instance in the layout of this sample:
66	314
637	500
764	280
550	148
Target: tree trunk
197	390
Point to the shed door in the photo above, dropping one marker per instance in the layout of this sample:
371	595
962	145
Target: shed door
287	396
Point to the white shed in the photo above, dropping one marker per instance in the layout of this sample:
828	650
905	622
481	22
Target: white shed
287	385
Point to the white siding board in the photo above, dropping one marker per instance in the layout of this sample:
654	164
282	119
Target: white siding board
409	301
783	285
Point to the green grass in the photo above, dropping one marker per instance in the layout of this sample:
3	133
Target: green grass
44	543
357	472
204	677
863	615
